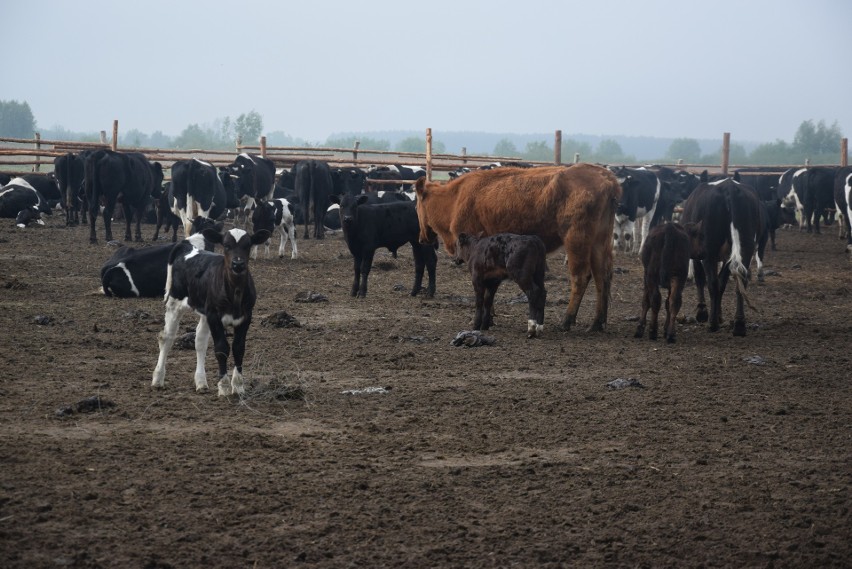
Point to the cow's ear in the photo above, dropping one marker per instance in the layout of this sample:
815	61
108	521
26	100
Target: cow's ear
212	235
260	237
704	177
736	176
361	199
334	198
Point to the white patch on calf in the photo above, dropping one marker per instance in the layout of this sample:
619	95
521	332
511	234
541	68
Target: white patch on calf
123	267
237	233
229	320
191	254
197	240
736	259
202	340
203	162
247	157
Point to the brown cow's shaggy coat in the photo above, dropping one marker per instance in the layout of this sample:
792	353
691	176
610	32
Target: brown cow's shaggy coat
573	207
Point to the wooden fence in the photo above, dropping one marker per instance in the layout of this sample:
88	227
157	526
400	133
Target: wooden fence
20	156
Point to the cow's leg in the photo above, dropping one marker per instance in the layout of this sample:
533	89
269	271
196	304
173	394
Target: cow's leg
93	217
291	231
319	228
646	305
419	267
579	282
283	241
673	304
656	301
700	283
601	270
356	262
430	259
715	289
479	313
239	349
490	292
139	213
202	340
535	318
222	351
366	265
166	338
108	212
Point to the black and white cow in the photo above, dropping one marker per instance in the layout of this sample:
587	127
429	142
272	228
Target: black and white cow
348	180
46	186
5	178
271	215
332	217
843	200
635	215
197	191
369	227
163	202
314	188
112	175
254	179
392	172
790	190
22	202
729	216
221	290
133	273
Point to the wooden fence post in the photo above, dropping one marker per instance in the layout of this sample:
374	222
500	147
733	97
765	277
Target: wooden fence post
114	135
239	143
576	158
464	154
557	148
37	166
726	152
263	146
355	150
844	152
429	154
103	137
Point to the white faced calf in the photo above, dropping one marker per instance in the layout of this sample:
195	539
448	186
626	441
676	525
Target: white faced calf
221	290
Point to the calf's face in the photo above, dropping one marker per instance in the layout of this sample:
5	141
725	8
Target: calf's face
237	245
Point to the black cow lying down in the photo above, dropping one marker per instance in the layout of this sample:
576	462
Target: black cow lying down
491	260
131	273
368	227
665	256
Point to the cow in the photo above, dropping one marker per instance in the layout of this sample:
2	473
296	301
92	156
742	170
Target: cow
69	171
729	213
348	180
196	191
818	197
112	175
368	227
271	215
164	198
47	186
23	203
134	273
254	179
332	216
790	190
843	200
573	207
221	290
665	258
493	259
640	193
392	172
5	178
314	186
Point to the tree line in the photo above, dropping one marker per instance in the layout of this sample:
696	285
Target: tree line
817	142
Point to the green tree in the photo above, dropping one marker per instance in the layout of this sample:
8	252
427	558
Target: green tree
134	137
417	144
367	143
814	140
193	136
571	147
506	147
609	151
248	127
771	153
686	149
16	120
538	151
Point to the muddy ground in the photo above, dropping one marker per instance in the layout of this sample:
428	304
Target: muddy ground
736	452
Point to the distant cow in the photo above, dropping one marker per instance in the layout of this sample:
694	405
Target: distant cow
665	257
818	195
131	272
197	191
491	260
46	186
69	170
112	175
254	179
369	227
22	202
271	215
729	214
572	207
166	217
843	199
314	186
392	172
640	195
221	290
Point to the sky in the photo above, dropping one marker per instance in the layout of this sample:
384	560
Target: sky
692	69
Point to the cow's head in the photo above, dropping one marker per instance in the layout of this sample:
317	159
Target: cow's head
263	216
427	234
348	208
464	247
237	245
622	233
27	216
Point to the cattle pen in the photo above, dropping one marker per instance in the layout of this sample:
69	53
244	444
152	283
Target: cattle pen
19	156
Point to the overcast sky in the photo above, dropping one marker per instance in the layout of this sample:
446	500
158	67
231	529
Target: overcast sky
662	68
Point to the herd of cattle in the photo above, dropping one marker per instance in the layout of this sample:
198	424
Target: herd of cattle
500	220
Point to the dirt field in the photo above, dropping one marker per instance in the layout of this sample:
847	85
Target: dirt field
737	451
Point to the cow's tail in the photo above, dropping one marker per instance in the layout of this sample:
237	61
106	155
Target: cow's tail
67	191
736	266
89	182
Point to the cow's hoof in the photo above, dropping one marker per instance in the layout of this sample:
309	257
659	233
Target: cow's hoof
702	315
739	329
670	339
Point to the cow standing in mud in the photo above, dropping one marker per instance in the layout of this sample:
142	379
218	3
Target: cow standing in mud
573	207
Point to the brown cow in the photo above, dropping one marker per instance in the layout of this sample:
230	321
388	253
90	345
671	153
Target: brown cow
493	259
665	256
572	207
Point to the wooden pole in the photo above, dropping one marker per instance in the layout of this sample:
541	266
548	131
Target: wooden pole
557	148
464	154
726	152
239	143
355	150
37	166
844	151
576	158
263	146
114	135
103	137
429	154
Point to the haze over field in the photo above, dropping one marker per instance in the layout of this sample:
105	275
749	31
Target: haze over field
312	69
